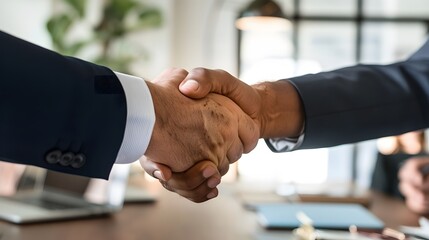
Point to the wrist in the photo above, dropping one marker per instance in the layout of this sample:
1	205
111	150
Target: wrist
159	113
282	112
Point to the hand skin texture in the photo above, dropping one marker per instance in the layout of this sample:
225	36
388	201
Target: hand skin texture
274	106
414	185
197	184
188	131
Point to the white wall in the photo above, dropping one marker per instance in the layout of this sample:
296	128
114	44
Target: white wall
26	19
195	32
157	42
204	33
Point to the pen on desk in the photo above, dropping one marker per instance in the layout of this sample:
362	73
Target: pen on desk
394	234
386	233
355	231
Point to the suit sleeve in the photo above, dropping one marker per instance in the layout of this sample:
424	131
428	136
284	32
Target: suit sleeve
57	112
365	101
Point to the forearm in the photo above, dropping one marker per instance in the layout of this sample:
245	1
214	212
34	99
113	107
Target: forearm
282	113
62	105
363	102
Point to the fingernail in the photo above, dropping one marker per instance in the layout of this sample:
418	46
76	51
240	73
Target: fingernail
212	194
158	174
190	85
208	172
213	182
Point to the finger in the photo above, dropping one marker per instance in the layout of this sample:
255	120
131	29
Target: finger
194	177
199	194
425	186
410	172
166	186
199	198
407	189
413	194
248	132
413	199
156	170
201	81
197	184
171	75
224	167
417	202
242	132
417	207
235	151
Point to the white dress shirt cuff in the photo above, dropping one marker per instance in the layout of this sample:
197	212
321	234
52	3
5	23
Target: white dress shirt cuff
285	144
140	118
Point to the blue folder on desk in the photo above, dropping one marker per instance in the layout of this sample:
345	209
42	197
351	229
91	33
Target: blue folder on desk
323	215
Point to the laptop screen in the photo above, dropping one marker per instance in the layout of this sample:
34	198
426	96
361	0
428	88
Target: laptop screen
16	179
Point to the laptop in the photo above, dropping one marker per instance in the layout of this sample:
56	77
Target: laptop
43	195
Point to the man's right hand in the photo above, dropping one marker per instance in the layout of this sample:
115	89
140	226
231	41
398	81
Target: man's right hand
189	130
198	183
275	106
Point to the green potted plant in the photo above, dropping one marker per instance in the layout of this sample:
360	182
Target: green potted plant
119	19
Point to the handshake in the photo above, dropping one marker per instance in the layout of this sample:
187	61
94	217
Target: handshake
206	119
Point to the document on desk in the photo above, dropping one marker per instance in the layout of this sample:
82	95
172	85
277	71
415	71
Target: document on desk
339	216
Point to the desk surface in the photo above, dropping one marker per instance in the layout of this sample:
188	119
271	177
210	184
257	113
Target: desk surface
173	217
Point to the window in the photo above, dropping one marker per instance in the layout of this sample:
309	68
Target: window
327	35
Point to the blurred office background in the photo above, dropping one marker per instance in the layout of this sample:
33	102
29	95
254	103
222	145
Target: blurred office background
321	35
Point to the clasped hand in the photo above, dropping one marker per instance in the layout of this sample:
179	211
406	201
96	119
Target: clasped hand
195	139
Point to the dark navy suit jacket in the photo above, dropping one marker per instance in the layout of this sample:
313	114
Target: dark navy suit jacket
58	112
365	101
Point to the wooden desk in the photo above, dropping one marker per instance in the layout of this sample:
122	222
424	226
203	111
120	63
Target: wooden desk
392	212
175	218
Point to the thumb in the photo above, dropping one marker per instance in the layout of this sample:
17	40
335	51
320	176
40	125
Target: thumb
156	170
200	82
192	88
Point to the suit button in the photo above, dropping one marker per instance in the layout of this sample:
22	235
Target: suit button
53	157
66	159
78	161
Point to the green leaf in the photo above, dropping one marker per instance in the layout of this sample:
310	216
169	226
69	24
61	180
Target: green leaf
58	26
150	17
118	9
78	6
119	63
74	48
112	27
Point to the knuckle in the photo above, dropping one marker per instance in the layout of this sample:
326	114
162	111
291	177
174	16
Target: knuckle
196	197
235	154
200	71
165	185
224	169
221	71
177	70
198	200
181	71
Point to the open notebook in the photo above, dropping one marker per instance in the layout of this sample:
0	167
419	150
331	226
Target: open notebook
52	195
